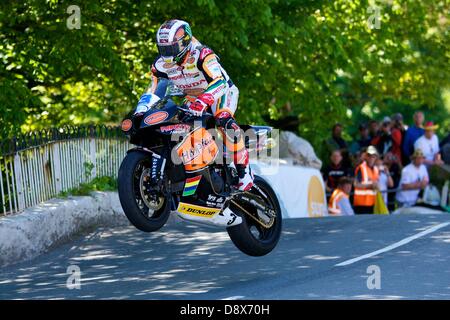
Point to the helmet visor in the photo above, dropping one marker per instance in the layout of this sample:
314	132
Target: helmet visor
170	49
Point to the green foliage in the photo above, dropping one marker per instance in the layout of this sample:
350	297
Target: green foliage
88	167
97	184
318	60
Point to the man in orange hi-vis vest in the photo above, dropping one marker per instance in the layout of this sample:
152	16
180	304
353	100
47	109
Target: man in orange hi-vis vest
366	182
339	203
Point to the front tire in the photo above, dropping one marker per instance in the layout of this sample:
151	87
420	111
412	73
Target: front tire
261	241
136	208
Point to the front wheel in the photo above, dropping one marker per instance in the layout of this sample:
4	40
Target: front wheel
251	237
147	209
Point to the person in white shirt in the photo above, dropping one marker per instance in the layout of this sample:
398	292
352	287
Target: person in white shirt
414	178
429	144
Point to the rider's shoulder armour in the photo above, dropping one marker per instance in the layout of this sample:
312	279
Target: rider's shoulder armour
158	69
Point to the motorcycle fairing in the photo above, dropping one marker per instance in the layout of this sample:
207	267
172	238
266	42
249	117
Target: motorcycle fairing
190	185
207	215
197	150
159	116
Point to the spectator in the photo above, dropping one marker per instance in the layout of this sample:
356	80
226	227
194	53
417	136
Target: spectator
383	141
429	144
336	142
445	140
335	171
339	203
445	149
413	133
414	177
366	182
363	141
373	128
385	180
397	133
395	169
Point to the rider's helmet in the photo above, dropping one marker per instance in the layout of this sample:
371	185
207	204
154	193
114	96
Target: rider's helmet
174	40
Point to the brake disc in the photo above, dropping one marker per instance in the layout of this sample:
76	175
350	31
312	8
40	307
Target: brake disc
153	202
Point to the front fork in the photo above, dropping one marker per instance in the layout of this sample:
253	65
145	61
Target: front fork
157	177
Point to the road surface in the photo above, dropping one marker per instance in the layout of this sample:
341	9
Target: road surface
326	258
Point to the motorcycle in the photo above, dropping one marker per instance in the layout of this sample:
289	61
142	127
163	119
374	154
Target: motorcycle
161	175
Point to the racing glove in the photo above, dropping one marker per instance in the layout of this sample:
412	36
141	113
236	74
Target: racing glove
203	102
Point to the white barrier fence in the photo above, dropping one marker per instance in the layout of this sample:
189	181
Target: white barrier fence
38	168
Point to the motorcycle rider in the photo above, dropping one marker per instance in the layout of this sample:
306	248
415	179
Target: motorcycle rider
195	70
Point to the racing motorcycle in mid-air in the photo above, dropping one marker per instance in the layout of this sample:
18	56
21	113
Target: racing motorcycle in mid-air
160	175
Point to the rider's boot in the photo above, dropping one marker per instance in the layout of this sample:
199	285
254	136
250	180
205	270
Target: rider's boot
234	142
244	170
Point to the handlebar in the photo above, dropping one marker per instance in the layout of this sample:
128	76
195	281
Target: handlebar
187	110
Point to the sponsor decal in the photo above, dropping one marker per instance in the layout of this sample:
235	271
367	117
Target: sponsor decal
216	91
223	114
190	186
194	92
176	128
190	60
168	24
126	125
204	53
184	75
192	75
215	201
156	117
189	156
212	63
177	77
164	35
193	84
169	65
199	211
207	98
316	198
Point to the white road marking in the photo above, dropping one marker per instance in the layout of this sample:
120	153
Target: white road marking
394	245
234	298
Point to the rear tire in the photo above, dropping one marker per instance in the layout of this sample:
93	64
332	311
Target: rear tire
137	212
243	237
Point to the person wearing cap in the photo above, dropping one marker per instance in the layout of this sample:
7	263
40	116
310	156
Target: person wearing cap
413	133
429	144
366	183
414	178
339	203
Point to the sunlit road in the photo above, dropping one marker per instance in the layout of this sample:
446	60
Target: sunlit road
185	261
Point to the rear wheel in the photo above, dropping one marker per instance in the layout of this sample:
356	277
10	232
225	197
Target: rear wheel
146	208
250	236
